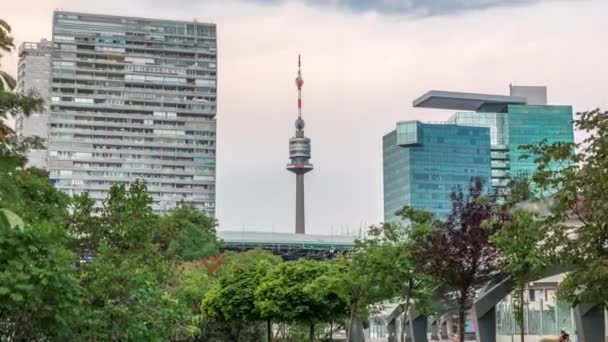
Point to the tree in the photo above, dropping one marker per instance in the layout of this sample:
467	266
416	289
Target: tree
580	189
358	278
127	219
39	199
326	290
459	253
413	287
39	294
127	298
231	302
523	255
6	44
188	233
286	295
520	189
129	285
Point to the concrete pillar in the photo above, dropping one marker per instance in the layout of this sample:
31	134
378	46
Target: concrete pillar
392	330
449	322
418	327
589	320
300	204
485	326
357	334
444	326
435	323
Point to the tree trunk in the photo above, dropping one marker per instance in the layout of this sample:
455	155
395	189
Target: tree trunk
331	331
312	332
521	323
268	331
353	308
462	319
406	308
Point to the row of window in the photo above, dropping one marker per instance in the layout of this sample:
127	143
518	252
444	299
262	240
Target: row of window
130	175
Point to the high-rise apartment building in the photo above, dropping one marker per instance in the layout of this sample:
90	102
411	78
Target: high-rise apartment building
33	75
424	163
134	98
521	118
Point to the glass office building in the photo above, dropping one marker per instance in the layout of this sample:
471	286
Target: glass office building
134	98
521	118
424	163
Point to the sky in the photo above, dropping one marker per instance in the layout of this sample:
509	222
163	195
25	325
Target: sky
363	63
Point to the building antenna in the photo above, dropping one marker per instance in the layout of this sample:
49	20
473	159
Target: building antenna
299	83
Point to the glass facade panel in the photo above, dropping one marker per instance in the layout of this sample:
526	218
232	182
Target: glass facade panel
423	176
530	124
499	139
407	133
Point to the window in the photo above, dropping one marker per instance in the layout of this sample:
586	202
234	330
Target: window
532	295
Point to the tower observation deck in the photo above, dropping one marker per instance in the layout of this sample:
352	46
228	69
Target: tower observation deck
299	156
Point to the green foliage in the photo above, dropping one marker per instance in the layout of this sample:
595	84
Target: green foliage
524	254
188	233
127	298
193	284
290	293
127	220
39	293
229	307
519	190
40	200
581	192
233	296
6	44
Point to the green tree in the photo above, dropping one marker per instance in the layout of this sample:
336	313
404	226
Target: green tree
193	284
127	298
580	184
39	199
231	302
127	220
286	294
519	190
39	294
6	44
188	233
523	255
129	286
406	277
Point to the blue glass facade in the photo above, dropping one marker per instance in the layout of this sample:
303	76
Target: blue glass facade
530	124
423	163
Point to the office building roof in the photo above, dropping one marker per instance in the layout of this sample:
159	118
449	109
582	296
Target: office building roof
467	101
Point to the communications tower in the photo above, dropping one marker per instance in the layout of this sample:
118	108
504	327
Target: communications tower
299	156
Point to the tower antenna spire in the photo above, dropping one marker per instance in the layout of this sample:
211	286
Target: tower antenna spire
299	83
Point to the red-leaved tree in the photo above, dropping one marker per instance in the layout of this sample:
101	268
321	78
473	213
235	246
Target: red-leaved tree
459	253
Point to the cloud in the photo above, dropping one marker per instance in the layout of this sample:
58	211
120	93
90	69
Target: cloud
410	7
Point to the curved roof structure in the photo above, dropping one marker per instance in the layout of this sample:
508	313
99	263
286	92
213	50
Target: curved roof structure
288	245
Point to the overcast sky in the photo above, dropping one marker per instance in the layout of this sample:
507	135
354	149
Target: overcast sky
364	62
